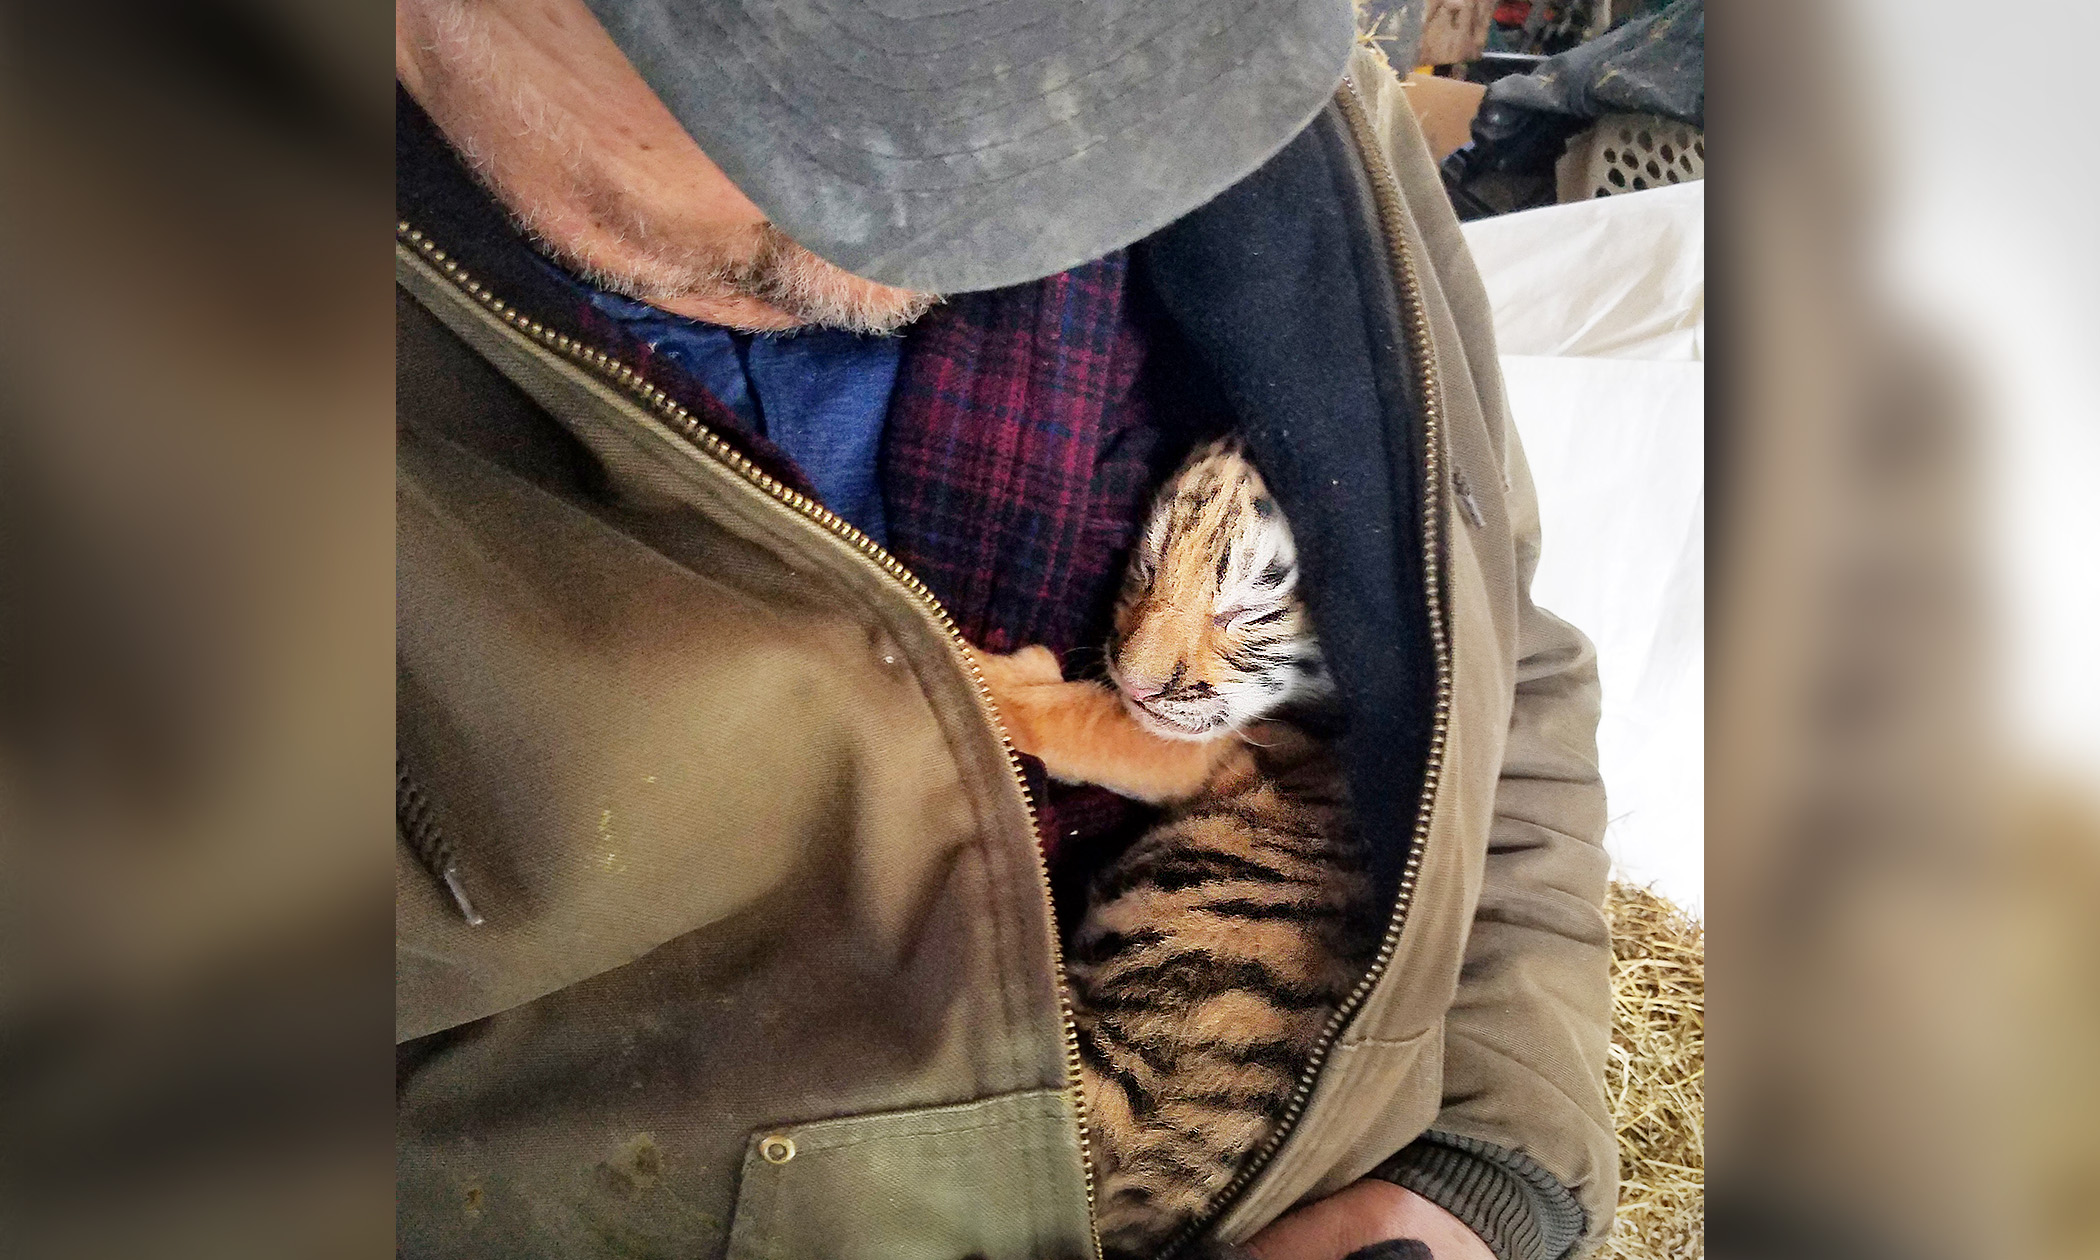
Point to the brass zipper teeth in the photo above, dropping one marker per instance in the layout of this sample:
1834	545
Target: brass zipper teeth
1422	354
635	385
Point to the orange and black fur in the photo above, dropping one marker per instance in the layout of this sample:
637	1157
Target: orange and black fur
1213	951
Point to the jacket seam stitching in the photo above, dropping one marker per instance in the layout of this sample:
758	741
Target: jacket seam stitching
827	1148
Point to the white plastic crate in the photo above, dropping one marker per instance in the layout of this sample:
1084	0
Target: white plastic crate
1629	152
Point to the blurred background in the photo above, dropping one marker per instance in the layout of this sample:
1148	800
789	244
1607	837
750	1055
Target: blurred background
1902	578
1902	755
196	577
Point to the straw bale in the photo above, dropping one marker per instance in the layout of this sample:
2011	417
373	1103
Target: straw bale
1656	1077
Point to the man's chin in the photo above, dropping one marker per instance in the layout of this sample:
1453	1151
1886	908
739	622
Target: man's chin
852	305
777	287
870	320
749	313
820	294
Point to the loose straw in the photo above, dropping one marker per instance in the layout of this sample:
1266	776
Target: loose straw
1656	1077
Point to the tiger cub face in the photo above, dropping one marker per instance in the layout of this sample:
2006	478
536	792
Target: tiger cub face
1210	634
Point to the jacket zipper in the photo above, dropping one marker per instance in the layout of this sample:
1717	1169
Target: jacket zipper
681	419
1385	190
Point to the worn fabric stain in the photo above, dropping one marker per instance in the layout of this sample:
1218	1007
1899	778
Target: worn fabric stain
607	856
637	1166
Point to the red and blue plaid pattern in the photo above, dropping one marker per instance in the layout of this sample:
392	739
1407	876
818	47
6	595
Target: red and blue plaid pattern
1017	455
1018	461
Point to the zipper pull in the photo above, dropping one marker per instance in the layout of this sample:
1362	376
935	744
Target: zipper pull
415	819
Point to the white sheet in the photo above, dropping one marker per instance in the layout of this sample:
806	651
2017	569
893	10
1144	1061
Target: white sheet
1600	312
1620	277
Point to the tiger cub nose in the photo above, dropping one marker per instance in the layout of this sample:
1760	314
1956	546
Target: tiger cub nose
1143	688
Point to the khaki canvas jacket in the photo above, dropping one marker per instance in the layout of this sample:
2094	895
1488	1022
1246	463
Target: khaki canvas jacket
768	965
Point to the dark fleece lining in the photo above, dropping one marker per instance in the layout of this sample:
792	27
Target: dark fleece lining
1282	288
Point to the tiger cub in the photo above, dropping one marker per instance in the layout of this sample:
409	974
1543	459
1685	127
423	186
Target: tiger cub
1214	950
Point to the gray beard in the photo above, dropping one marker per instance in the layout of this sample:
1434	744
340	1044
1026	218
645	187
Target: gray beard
778	272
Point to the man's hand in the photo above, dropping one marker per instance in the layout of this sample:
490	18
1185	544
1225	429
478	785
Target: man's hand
1366	1213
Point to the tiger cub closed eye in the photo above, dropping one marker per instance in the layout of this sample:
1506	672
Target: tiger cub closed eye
1210	634
1215	949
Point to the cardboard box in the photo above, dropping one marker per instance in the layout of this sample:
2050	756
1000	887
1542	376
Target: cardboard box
1445	108
1454	30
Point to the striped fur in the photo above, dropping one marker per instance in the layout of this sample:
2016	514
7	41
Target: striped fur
1215	949
1212	954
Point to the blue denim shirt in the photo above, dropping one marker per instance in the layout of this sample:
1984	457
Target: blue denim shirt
818	394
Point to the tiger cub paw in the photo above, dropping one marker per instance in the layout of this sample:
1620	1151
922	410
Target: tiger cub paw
1025	687
1031	665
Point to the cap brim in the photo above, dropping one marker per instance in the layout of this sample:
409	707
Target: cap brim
953	145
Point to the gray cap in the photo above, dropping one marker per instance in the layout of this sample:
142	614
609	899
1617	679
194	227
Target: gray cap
952	145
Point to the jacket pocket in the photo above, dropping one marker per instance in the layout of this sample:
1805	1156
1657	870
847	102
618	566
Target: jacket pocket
998	1179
